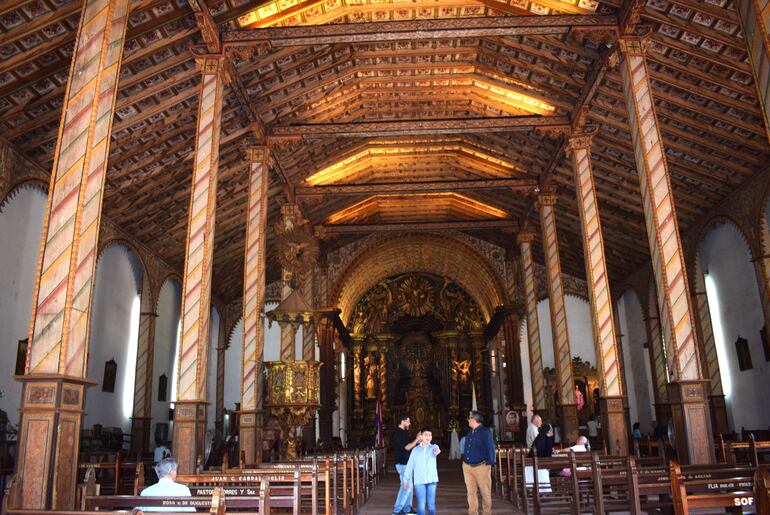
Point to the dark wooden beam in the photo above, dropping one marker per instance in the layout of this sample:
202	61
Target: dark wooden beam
425	127
521	184
469	225
417	30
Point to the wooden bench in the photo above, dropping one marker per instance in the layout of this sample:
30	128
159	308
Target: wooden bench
732	488
751	452
762	490
214	504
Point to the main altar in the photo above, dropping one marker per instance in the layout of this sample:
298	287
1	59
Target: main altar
417	347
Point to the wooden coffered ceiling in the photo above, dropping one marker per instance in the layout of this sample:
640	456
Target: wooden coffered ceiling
409	111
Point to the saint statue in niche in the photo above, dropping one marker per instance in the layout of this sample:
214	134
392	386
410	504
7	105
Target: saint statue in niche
371	373
579	398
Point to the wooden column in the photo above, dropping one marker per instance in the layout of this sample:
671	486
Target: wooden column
190	407
755	21
658	368
762	268
614	429
708	352
250	438
141	420
566	407
308	330
326	331
53	391
688	392
525	240
513	371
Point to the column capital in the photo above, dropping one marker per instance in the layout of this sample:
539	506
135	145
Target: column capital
211	64
257	153
547	198
526	235
581	139
634	45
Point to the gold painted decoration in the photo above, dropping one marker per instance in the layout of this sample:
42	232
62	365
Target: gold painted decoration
296	245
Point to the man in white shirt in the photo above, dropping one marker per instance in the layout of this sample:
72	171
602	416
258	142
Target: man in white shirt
166	487
582	445
533	428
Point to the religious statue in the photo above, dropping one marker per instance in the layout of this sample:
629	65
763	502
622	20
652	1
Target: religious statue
461	370
291	446
371	374
579	399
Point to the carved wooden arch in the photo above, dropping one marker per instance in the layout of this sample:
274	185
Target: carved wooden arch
161	283
713	224
127	247
27	182
439	254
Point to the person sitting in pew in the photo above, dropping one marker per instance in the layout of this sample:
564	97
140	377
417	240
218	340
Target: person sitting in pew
582	445
542	447
166	487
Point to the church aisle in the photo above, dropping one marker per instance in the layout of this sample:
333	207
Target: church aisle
450	496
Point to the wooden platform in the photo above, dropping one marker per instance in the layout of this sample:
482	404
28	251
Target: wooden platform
450	497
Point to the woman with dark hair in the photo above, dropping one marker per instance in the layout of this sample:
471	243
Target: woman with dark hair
542	447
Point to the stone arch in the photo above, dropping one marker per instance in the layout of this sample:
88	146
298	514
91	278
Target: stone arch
716	222
441	255
133	255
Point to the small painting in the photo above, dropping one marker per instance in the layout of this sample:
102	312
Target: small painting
110	373
21	357
744	355
162	388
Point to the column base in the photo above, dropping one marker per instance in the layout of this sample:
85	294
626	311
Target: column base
719	424
49	440
140	435
189	434
250	425
691	419
614	425
569	422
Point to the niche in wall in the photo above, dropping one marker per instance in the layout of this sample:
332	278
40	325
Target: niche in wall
21	356
162	388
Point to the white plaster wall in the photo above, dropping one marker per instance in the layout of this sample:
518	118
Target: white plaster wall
526	373
117	287
581	339
233	357
166	336
211	374
635	360
726	257
21	226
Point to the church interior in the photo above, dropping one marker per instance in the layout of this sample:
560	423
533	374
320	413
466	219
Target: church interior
258	233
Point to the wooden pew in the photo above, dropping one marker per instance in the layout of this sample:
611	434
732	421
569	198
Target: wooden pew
215	503
115	477
751	452
762	490
734	488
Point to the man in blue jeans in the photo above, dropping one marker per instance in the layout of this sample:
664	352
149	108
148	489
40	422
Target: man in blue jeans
402	446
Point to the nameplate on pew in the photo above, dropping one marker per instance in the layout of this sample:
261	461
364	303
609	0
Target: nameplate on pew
244	479
229	491
744	501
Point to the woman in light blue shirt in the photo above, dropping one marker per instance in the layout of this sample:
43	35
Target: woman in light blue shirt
421	468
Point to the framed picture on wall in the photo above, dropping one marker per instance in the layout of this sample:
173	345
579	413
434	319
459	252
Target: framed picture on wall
162	387
765	342
110	373
744	355
21	356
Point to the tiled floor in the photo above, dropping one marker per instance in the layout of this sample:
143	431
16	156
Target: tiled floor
450	496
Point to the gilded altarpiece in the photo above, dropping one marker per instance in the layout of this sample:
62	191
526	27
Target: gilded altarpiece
418	348
587	390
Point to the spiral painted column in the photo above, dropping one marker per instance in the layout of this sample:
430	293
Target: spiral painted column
755	21
525	240
566	407
615	431
190	408
53	391
253	303
688	392
141	419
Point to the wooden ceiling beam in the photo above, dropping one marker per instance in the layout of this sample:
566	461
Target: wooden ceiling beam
469	225
517	184
423	127
428	29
